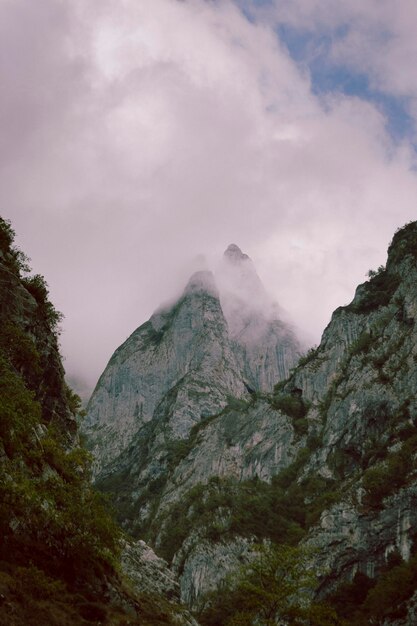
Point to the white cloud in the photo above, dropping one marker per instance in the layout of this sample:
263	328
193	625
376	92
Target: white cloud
154	131
375	37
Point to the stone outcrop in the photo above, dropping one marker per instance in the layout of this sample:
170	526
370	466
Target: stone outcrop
185	365
178	367
150	575
338	433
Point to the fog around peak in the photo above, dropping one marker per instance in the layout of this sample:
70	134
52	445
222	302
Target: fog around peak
138	136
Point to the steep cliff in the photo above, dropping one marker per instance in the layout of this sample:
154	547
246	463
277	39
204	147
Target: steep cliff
192	361
220	460
187	361
60	552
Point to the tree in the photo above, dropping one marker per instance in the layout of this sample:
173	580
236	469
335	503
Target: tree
274	589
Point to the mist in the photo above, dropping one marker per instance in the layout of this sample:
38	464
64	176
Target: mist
138	136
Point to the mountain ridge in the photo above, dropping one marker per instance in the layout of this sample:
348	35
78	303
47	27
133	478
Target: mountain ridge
326	455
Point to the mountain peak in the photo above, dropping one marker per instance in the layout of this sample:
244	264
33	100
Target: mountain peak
234	253
202	281
404	243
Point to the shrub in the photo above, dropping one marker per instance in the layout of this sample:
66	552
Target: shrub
38	288
403	243
349	596
311	354
377	292
362	344
376	601
274	587
16	261
291	405
381	480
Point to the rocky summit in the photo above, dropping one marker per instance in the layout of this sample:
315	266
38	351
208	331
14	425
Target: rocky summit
218	443
221	341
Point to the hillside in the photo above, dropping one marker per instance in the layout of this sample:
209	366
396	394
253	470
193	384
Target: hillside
326	458
62	557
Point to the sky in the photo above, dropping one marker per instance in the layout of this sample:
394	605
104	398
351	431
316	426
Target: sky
137	135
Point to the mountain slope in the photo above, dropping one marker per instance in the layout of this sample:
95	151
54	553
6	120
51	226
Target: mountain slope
190	362
327	457
59	549
177	367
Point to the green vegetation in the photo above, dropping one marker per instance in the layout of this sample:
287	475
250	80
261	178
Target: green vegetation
371	601
294	406
311	354
403	243
377	292
362	344
313	358
59	546
38	288
274	587
291	405
44	483
381	480
281	511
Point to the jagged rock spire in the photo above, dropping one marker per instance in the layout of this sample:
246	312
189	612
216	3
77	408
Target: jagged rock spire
234	253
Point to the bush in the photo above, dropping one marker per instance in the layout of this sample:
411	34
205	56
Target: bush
13	258
311	354
375	601
38	288
280	511
291	405
403	243
362	344
351	595
274	587
383	479
377	292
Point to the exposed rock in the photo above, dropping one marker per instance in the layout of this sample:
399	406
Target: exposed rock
203	565
178	367
148	574
342	426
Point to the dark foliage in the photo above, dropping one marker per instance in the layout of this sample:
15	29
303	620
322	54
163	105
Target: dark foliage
377	292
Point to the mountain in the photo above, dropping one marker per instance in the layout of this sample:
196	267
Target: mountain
186	364
63	561
264	345
204	458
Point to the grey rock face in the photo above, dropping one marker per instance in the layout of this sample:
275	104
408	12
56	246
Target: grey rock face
202	565
242	443
206	415
150	575
189	359
157	422
179	363
352	538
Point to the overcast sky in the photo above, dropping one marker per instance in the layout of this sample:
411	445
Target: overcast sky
138	134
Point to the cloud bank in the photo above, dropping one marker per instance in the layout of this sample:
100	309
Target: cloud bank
138	135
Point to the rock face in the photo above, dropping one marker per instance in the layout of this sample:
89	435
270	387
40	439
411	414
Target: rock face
178	367
180	384
205	453
188	361
150	576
